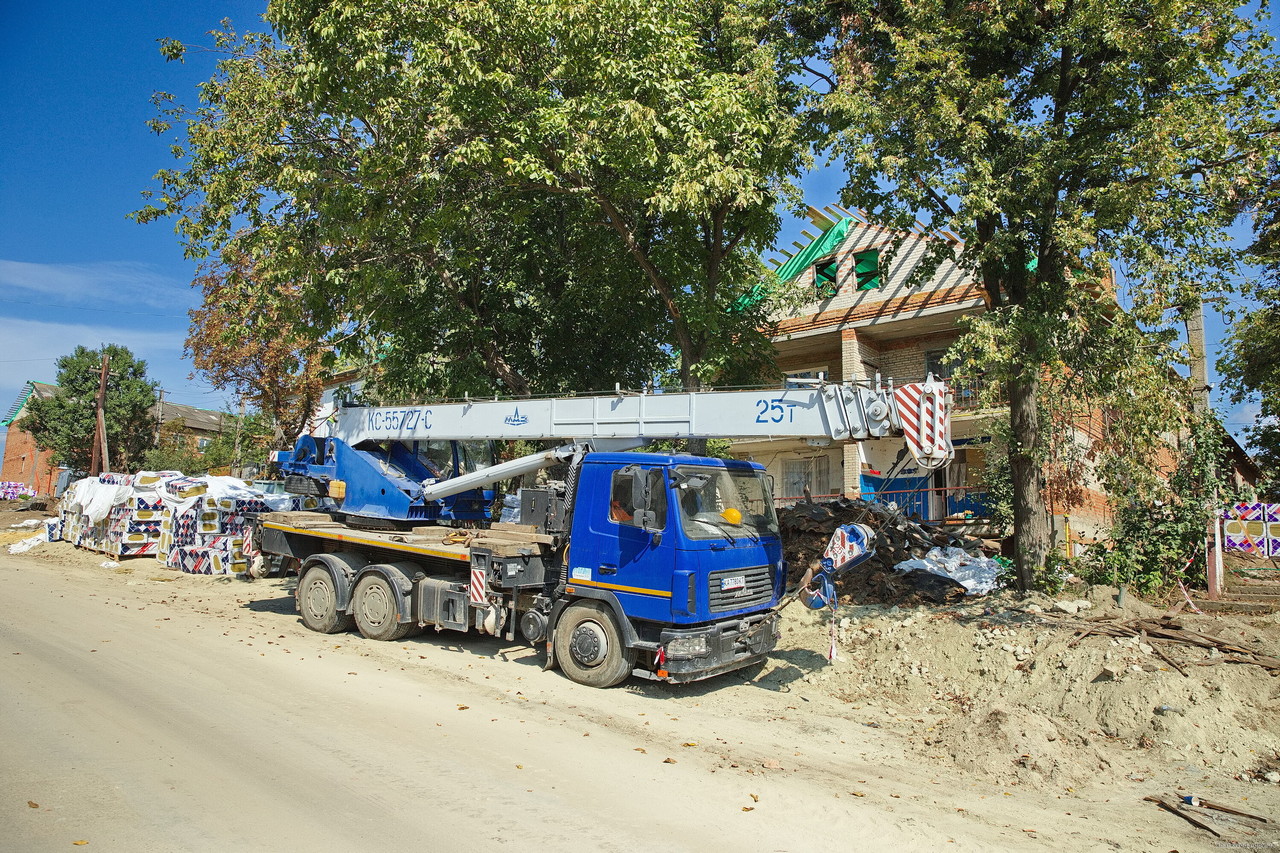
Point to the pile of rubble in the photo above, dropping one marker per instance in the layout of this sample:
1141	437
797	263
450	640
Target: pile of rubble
807	528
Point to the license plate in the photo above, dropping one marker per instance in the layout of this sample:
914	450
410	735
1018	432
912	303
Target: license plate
727	584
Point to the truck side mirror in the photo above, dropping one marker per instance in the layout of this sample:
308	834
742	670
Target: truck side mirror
641	497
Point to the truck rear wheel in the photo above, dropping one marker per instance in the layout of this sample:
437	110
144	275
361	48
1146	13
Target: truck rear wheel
318	603
589	646
374	605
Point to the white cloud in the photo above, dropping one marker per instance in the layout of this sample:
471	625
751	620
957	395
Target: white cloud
29	349
106	282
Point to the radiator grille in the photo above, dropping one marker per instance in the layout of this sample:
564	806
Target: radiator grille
757	588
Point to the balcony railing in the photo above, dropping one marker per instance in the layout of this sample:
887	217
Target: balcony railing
953	505
966	391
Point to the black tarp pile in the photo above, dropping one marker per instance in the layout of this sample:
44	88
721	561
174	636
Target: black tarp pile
807	528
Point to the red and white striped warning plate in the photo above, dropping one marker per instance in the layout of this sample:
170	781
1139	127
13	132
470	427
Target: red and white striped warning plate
926	422
478	589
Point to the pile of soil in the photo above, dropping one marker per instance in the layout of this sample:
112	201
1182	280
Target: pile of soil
1004	687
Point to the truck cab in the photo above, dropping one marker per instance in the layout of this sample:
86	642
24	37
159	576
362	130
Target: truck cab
686	550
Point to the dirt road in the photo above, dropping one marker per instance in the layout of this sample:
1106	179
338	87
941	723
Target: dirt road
149	710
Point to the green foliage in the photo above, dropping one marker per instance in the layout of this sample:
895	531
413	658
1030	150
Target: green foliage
1250	363
179	450
65	423
1059	142
1158	534
997	480
557	195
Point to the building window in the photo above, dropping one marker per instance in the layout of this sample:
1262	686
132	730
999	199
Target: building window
934	363
814	472
825	278
202	444
804	373
866	266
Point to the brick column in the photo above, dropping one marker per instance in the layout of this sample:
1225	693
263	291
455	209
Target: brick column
851	368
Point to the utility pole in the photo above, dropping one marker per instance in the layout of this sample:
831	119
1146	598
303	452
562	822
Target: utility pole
99	460
235	454
159	417
1200	404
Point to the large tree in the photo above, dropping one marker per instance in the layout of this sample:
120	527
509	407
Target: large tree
260	343
553	187
1250	364
66	422
1059	141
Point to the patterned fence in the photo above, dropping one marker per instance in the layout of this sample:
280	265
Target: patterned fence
1253	528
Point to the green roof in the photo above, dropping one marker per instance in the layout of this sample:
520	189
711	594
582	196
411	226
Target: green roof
815	251
27	391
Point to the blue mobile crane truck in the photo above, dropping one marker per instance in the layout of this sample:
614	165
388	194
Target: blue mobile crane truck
663	566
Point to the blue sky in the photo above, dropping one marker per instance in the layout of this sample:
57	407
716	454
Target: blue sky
75	85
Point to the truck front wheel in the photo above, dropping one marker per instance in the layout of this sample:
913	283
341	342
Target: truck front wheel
589	646
374	605
318	603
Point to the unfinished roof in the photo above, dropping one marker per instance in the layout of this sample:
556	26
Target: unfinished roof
42	390
204	420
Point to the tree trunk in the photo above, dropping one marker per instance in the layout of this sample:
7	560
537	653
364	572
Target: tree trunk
1030	515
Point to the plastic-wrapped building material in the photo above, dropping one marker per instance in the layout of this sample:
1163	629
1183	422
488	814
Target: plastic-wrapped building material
193	524
976	574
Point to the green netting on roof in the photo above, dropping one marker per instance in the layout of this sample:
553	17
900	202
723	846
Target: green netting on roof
815	251
866	265
753	297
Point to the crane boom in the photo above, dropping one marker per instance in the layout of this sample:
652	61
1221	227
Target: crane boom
822	411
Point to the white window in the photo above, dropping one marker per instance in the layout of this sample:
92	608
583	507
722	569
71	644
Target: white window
815	372
815	472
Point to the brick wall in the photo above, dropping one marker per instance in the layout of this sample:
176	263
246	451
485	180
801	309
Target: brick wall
27	464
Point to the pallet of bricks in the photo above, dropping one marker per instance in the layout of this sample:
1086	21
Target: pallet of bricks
194	524
204	523
131	527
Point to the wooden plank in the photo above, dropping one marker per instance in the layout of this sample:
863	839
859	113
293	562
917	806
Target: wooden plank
516	536
507	547
1194	821
512	527
300	519
1219	807
1155	648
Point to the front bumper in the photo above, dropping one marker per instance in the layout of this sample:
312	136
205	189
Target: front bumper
731	644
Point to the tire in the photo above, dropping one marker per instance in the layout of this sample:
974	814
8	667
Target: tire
317	600
589	646
374	607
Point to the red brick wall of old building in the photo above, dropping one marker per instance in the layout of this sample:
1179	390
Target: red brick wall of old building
27	464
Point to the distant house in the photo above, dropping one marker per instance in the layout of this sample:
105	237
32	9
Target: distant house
23	461
197	428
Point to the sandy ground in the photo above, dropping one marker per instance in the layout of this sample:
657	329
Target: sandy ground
151	710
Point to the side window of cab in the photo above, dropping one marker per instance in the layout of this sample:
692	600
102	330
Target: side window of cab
622	500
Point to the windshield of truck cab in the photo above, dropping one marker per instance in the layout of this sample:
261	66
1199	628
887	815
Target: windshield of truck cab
724	503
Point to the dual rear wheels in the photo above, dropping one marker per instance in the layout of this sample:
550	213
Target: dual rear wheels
588	643
374	610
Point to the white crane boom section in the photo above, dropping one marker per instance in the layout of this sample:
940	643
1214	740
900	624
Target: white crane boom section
821	411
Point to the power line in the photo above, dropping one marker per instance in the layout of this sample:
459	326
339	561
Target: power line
90	308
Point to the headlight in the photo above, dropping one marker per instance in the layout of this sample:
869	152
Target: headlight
687	647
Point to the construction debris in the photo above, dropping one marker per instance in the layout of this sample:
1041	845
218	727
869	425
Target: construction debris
807	528
1151	632
1168	804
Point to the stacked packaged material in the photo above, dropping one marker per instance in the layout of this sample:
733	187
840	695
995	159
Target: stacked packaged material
195	524
13	491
